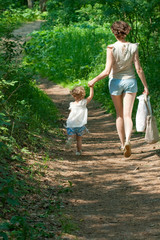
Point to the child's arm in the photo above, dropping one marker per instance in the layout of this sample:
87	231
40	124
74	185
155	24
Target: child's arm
90	95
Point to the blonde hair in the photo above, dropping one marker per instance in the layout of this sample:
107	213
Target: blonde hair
78	93
120	29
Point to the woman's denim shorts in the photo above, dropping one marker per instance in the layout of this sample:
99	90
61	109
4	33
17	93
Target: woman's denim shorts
120	86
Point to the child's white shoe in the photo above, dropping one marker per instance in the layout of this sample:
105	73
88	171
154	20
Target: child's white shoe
69	143
79	153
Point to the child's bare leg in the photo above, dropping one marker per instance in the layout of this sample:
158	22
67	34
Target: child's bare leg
69	141
79	143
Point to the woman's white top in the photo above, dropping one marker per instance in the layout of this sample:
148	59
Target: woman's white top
123	60
78	115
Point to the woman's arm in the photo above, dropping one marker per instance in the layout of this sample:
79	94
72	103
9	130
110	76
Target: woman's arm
90	95
140	72
106	71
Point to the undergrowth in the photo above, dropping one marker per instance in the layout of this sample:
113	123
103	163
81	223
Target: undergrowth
32	205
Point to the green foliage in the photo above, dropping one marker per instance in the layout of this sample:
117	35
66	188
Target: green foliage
24	108
26	112
62	12
68	54
19	226
11	3
92	14
143	16
71	56
13	17
74	54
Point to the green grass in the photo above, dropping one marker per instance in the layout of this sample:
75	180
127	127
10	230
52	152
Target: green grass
68	53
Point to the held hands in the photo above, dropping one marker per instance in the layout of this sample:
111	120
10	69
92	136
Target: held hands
91	83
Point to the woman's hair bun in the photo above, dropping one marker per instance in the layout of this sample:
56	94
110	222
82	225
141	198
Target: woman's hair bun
120	29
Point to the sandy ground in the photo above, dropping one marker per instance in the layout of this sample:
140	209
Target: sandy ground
112	198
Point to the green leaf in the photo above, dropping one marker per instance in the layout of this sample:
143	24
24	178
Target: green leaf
12	202
4	235
4	226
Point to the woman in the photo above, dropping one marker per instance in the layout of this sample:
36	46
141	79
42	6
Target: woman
122	82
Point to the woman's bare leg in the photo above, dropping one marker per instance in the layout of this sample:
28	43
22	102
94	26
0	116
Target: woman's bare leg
128	102
118	103
79	143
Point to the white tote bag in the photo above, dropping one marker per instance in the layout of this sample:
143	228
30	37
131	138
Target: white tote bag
142	112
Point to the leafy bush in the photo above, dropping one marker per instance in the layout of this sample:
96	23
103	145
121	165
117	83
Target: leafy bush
68	53
13	17
24	108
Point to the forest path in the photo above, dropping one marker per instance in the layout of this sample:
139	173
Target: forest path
112	198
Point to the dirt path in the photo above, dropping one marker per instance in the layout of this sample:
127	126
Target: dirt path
27	28
113	198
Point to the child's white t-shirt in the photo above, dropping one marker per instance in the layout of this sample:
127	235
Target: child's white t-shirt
78	115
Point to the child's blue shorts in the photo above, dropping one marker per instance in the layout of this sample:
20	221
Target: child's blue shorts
119	86
79	131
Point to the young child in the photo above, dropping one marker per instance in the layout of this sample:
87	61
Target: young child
77	118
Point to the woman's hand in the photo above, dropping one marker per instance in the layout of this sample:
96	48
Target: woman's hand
91	83
146	91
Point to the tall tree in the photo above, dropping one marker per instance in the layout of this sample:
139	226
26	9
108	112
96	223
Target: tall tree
42	5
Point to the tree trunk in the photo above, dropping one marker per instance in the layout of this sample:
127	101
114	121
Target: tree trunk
30	3
42	4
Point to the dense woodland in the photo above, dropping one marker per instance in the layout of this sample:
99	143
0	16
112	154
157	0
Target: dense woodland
69	49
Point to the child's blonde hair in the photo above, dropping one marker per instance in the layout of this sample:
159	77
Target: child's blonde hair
78	93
